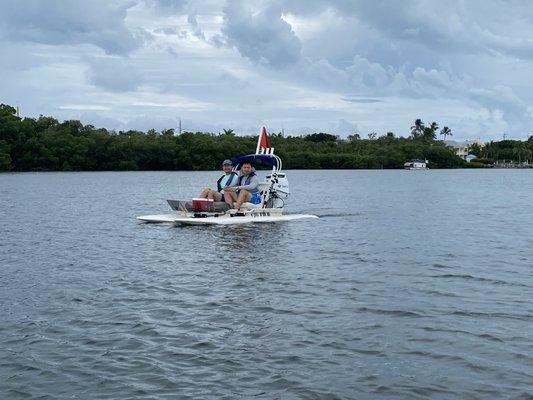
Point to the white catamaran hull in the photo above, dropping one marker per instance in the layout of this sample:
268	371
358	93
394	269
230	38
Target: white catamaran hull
222	220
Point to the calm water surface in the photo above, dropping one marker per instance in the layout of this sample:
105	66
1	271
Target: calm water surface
412	284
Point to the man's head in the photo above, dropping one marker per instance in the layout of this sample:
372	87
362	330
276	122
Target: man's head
246	168
227	166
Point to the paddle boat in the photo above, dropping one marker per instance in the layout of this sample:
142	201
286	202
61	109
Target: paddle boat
273	192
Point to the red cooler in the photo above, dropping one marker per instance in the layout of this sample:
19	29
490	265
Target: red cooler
203	205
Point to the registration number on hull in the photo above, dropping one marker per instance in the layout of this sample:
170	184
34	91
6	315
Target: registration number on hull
255	214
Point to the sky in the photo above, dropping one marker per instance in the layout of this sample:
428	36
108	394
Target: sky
339	66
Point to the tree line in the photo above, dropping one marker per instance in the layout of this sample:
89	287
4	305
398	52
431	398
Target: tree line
516	151
45	144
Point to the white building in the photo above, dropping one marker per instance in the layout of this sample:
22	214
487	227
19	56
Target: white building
462	149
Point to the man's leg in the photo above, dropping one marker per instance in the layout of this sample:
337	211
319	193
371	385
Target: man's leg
205	193
230	198
215	196
244	196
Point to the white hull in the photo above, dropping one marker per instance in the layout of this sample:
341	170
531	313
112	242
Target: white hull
222	220
416	165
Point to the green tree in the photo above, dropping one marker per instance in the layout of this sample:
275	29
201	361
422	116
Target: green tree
5	156
321	138
47	144
428	134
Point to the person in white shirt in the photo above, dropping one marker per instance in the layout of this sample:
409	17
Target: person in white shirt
229	178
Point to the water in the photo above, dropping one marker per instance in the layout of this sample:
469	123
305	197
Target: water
413	284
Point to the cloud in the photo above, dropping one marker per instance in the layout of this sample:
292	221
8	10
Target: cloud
167	5
262	36
502	98
60	22
196	30
517	47
364	73
365	78
328	65
113	73
453	26
432	77
17	57
361	100
320	74
83	107
344	128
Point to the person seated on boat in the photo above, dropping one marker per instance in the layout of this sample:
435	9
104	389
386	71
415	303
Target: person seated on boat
246	190
229	178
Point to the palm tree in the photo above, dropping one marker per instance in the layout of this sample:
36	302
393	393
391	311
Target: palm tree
434	126
228	131
446	132
417	129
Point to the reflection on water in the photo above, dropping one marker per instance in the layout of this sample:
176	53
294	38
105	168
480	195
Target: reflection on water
241	242
410	285
245	239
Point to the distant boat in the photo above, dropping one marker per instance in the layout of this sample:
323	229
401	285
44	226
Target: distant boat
416	164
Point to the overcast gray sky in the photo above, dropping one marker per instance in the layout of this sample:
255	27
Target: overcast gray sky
306	66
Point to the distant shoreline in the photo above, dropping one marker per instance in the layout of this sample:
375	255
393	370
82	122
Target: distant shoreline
266	170
45	145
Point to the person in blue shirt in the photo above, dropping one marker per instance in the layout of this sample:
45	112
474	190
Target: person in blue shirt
229	178
246	190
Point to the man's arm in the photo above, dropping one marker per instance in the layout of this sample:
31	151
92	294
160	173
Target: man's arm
254	183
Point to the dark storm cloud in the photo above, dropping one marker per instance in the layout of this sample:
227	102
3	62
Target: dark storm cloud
57	22
262	36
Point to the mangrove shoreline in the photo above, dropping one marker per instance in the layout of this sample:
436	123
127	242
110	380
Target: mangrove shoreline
45	144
